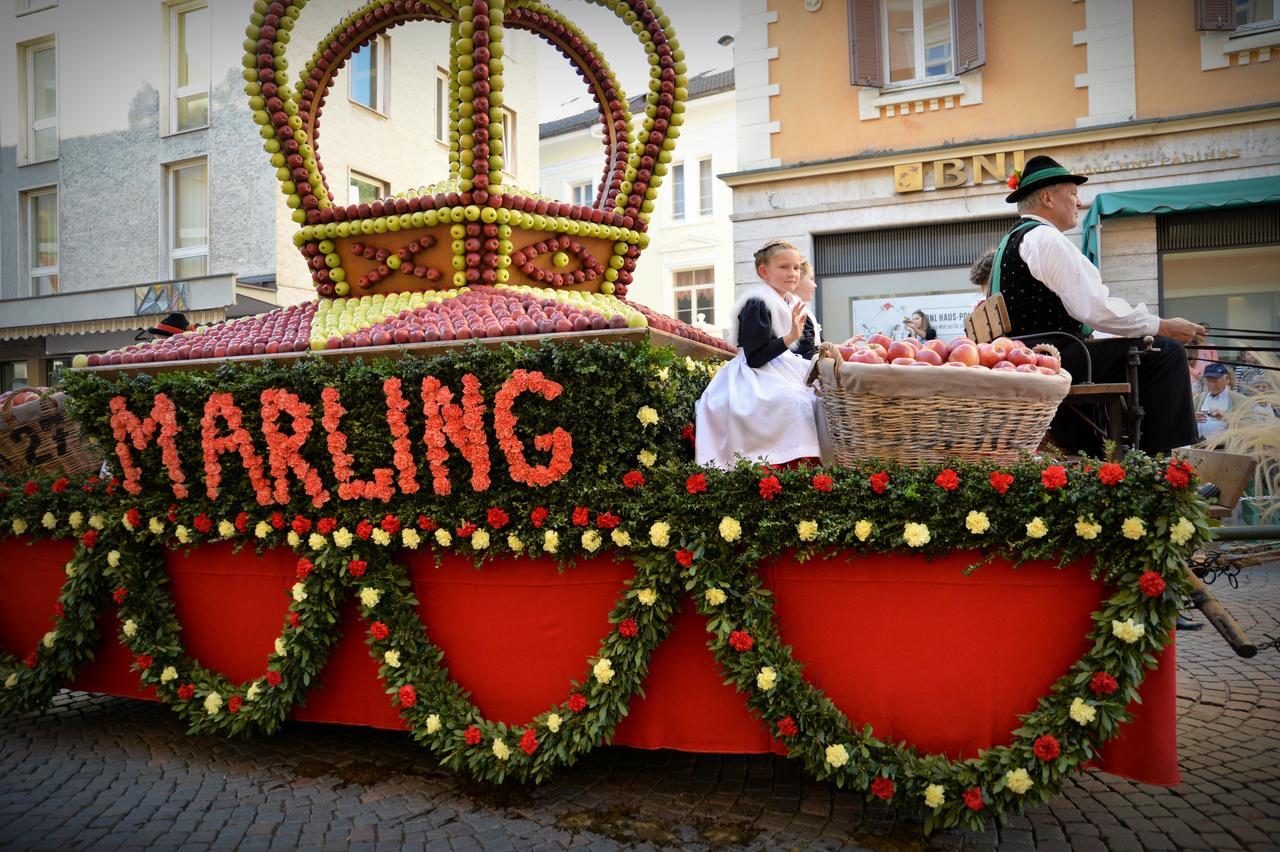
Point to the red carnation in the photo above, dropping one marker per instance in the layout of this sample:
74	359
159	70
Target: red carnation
112	486
973	798
1001	481
822	482
581	516
364	529
277	520
628	628
143	661
134	517
1178	474
740	640
390	525
1046	747
427	524
305	567
633	479
879	482
1012	183
274	678
30	660
89	539
300	525
187	691
684	557
787	727
379	631
31	488
497	518
882	788
1103	683
1054	476
1151	583
324	526
201	522
59	610
539	516
770	487
607	521
119	595
688	434
472	735
172	514
466	529
241	521
577	703
529	742
356	567
234	702
696	484
295	621
948	480
1111	474
408	695
60	484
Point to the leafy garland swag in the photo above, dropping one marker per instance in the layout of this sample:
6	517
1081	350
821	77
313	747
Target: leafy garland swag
626	487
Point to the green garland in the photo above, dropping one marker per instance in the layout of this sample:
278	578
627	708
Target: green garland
687	531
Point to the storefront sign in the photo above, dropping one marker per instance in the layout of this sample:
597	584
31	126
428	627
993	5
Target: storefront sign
952	172
888	316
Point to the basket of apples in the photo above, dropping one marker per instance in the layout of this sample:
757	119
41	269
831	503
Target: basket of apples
976	402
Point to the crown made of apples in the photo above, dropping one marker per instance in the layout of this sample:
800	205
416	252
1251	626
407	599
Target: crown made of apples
471	229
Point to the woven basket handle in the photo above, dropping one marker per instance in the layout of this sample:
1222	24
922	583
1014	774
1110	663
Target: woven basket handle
826	349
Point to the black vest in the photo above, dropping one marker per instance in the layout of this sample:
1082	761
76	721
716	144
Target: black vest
1033	307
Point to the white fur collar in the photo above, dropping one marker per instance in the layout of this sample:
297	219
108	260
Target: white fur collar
779	310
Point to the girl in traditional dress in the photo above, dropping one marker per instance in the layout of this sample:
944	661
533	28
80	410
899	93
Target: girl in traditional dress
758	405
807	346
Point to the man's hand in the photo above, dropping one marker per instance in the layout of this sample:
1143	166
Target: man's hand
797	324
1180	329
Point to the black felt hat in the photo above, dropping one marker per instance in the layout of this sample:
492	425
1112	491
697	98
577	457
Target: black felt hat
175	323
1038	173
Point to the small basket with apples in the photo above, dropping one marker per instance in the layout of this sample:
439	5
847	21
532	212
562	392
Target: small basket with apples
38	435
989	402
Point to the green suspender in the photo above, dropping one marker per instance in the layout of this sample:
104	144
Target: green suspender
995	263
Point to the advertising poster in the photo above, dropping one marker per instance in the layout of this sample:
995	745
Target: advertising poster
888	315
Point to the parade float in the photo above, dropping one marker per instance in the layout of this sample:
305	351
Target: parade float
456	495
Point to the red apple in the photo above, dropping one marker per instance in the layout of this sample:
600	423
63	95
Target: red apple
903	362
901	349
1048	371
865	356
1026	368
880	339
987	355
1048	361
939	346
956	364
879	350
960	340
1003	343
1022	356
966	353
845	352
929	356
1003	365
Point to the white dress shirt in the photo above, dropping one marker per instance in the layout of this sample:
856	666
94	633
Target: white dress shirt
1062	267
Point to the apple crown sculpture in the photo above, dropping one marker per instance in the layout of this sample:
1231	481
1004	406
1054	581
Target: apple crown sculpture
471	229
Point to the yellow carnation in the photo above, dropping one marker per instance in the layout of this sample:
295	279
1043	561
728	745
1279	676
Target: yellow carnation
648	597
370	597
1082	713
48	639
293	538
551	541
409	538
659	534
433	723
730	529
169	674
862	529
553	722
19	526
766	678
129	628
1087	530
212	703
479	539
1018	781
715	597
621	538
1037	528
281	649
1127	630
392	658
443	537
182	534
381	537
75	519
935	796
603	670
299	592
514	542
591	541
252	693
1182	531
11	681
977	522
916	535
1134	528
48	520
113	558
262	530
226	529
837	756
342	538
97	522
646	458
500	750
157	526
807	530
647	416
315	541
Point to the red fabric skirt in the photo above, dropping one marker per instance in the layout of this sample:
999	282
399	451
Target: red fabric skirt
916	649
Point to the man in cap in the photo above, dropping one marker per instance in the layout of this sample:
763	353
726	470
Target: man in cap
1217	400
1049	286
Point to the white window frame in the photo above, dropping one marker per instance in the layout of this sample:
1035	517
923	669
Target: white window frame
176	92
692	290
28	236
29	51
588	195
365	177
679	188
510	130
27	7
382	77
707	202
917	29
442	105
172	253
1271	22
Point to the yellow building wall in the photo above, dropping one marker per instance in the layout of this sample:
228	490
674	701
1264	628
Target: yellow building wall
1028	83
1166	55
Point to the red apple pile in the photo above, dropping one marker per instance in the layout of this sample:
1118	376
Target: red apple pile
1001	354
678	328
282	330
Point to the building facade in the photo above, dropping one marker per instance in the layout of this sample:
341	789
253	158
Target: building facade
886	160
687	271
132	176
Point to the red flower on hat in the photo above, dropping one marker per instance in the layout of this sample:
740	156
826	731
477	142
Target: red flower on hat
1014	180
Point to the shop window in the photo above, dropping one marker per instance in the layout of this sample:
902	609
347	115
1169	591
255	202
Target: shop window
1224	288
189	66
55	369
40	69
188	188
706	188
582	194
1255	13
677	192
40	208
900	42
363	189
369	77
695	295
442	105
13	375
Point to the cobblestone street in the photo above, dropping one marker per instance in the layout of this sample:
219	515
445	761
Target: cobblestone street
99	773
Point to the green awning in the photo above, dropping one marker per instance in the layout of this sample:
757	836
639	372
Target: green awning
1172	199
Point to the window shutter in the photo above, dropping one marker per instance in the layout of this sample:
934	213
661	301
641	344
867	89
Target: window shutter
1215	15
865	66
969	31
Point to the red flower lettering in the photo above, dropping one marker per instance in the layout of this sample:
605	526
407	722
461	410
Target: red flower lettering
558	441
221	405
128	431
463	426
284	452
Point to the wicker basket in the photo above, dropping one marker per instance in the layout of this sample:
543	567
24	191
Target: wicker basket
919	415
41	437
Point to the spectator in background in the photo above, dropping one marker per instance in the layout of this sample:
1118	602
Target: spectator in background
1197	360
980	272
1217	399
1251	379
919	326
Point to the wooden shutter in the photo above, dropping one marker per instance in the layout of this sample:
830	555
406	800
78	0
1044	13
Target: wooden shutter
969	33
1215	15
865	65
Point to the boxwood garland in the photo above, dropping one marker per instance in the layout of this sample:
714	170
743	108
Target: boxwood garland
687	530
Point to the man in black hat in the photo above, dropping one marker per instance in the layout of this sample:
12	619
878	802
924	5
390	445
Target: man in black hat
1050	286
